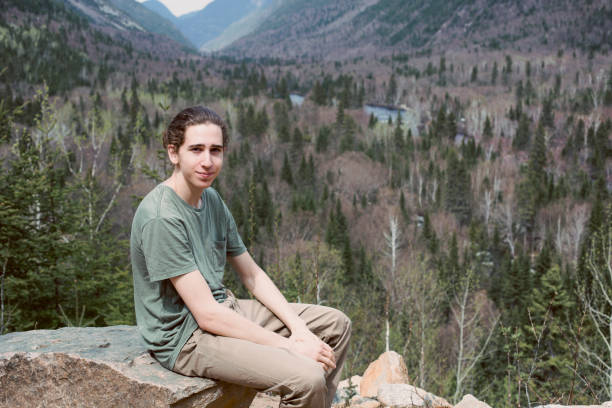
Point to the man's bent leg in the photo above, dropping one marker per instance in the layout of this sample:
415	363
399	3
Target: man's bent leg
330	325
299	380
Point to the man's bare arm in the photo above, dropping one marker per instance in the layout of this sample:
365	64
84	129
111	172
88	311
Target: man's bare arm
217	319
303	341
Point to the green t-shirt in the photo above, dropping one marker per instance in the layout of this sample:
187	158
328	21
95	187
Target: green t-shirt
170	238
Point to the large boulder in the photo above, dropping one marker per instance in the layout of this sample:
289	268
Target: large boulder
469	401
409	396
389	368
100	367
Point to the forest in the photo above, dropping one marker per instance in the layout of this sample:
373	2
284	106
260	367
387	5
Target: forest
472	234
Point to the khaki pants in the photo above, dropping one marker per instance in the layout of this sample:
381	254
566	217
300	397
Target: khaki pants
300	381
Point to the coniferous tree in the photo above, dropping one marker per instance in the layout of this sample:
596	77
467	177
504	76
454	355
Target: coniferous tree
530	193
286	173
545	335
548	116
607	99
458	188
522	137
487	132
494	74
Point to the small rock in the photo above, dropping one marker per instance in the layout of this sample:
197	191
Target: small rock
389	368
263	400
344	388
469	401
366	403
409	396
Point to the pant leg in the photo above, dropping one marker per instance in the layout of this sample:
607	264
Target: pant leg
300	381
330	325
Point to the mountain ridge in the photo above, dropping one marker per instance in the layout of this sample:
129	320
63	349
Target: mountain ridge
128	15
348	28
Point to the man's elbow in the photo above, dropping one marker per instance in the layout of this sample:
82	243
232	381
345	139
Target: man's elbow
209	318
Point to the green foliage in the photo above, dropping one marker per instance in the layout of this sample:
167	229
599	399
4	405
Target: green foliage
545	341
457	189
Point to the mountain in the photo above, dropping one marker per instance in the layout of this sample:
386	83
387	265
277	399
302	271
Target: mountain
161	10
350	28
241	28
206	24
128	15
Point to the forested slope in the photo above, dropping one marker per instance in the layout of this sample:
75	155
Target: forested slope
344	29
478	228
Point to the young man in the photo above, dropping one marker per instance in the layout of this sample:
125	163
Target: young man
182	234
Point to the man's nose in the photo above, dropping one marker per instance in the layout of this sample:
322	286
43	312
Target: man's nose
206	160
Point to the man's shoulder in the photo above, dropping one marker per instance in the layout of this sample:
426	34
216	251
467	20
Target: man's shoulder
158	203
213	199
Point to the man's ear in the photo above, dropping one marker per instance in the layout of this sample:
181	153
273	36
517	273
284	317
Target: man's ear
172	154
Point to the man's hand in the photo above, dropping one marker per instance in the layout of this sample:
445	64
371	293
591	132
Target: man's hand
304	342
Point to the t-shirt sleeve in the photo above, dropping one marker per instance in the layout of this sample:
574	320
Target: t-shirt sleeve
235	246
166	249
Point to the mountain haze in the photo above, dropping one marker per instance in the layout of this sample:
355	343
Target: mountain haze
242	27
159	8
206	24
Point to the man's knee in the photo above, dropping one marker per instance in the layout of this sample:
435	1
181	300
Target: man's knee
312	381
342	323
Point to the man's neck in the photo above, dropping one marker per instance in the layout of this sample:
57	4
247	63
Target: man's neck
190	196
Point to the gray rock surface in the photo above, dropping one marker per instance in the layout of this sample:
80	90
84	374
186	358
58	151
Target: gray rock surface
100	367
469	401
409	396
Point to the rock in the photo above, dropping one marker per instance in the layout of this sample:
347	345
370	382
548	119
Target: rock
263	400
469	401
388	369
344	388
409	396
609	404
100	367
358	402
366	403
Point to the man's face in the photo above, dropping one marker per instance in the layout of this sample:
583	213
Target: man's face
200	158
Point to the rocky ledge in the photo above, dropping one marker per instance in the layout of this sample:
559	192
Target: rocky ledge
386	384
100	367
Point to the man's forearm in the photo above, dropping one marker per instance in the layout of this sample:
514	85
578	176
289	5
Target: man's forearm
267	293
223	321
262	287
218	319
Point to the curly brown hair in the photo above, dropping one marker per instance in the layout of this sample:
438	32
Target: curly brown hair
194	115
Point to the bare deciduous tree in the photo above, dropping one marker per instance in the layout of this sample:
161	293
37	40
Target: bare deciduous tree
506	219
421	297
598	302
392	240
475	320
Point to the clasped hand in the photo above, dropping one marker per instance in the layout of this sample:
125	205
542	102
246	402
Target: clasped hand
304	342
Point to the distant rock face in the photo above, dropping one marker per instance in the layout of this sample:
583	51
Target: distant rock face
388	369
100	367
469	401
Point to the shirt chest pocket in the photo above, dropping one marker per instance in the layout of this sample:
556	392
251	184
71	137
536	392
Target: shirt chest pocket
217	251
